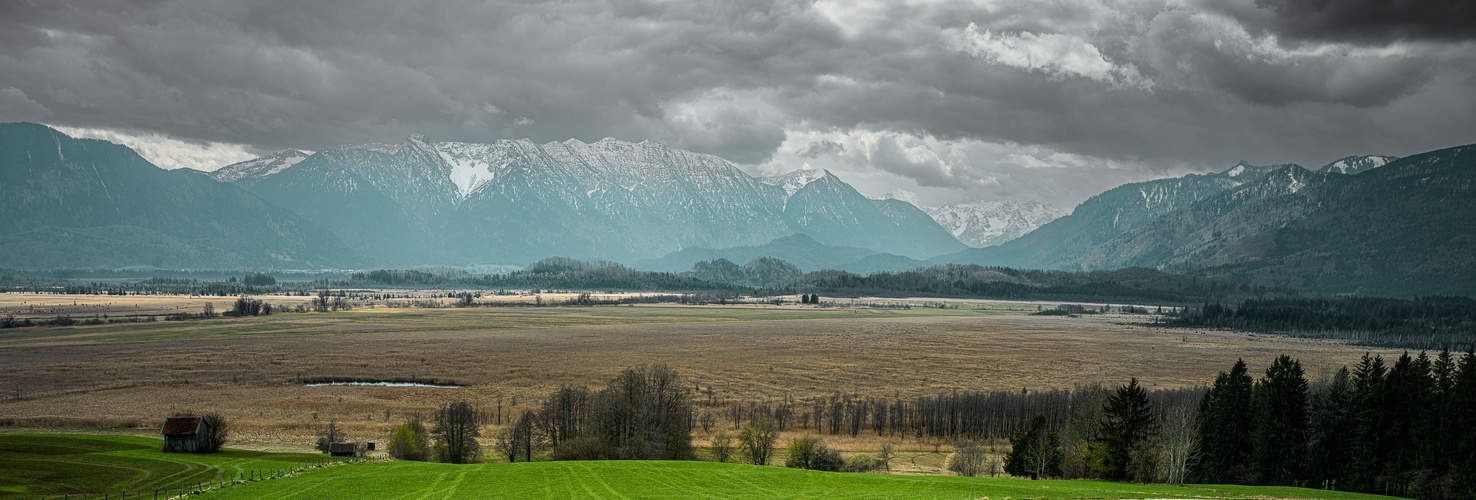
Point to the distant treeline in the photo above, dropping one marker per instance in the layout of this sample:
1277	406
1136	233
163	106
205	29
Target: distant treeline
1422	323
953	280
552	273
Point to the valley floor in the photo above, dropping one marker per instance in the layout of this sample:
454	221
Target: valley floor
252	369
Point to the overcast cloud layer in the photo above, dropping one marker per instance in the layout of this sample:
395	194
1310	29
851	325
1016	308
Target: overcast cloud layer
947	101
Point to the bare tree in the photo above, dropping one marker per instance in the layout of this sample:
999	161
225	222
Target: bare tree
706	421
722	447
516	440
757	441
456	433
884	457
217	431
1179	434
968	459
327	435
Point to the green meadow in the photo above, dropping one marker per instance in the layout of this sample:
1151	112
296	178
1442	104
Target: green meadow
36	466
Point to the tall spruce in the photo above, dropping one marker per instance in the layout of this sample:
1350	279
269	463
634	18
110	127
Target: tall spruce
1371	441
1463	405
1330	432
1281	424
1225	428
1127	422
1441	438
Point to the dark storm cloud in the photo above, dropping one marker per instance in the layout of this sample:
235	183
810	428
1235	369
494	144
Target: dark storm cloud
821	148
1149	85
1372	21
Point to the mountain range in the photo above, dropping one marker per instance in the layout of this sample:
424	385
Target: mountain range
421	203
83	203
1404	228
513	201
1368	225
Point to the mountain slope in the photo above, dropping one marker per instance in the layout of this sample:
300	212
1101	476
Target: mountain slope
987	223
1401	229
88	203
1103	217
246	173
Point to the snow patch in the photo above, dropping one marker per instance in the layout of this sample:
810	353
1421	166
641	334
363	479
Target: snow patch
467	172
794	181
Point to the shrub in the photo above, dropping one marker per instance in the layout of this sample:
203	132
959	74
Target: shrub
807	452
861	463
722	447
410	441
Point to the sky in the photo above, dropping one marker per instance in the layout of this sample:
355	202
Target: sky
930	101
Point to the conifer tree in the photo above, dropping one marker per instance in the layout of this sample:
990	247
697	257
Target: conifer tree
1370	443
1330	432
1281	424
1225	427
1127	421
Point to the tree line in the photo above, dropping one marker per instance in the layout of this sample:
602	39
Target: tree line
1420	323
956	280
1405	430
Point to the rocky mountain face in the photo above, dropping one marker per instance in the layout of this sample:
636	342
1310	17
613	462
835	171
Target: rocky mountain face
1105	216
1401	229
514	201
1356	164
988	223
246	173
81	203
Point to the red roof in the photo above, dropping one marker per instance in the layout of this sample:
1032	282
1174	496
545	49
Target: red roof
340	448
181	426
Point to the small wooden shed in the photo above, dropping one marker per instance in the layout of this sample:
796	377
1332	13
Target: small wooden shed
341	449
184	434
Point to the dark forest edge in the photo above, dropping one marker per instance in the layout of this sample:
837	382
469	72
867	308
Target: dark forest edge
1429	322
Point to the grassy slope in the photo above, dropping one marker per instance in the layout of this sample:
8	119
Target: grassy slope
693	480
34	465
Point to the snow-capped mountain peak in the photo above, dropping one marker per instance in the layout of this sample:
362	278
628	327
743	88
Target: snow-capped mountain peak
796	179
987	223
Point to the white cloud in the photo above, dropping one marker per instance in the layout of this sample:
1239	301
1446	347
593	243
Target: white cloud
1057	55
168	153
902	195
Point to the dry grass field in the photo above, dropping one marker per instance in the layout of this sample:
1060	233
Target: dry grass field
249	368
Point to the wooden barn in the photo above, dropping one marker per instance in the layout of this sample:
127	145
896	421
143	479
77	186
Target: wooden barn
184	435
341	449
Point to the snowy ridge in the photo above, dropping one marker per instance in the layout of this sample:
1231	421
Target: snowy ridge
1357	164
987	223
794	181
260	167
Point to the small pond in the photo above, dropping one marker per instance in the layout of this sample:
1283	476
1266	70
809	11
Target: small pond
382	384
